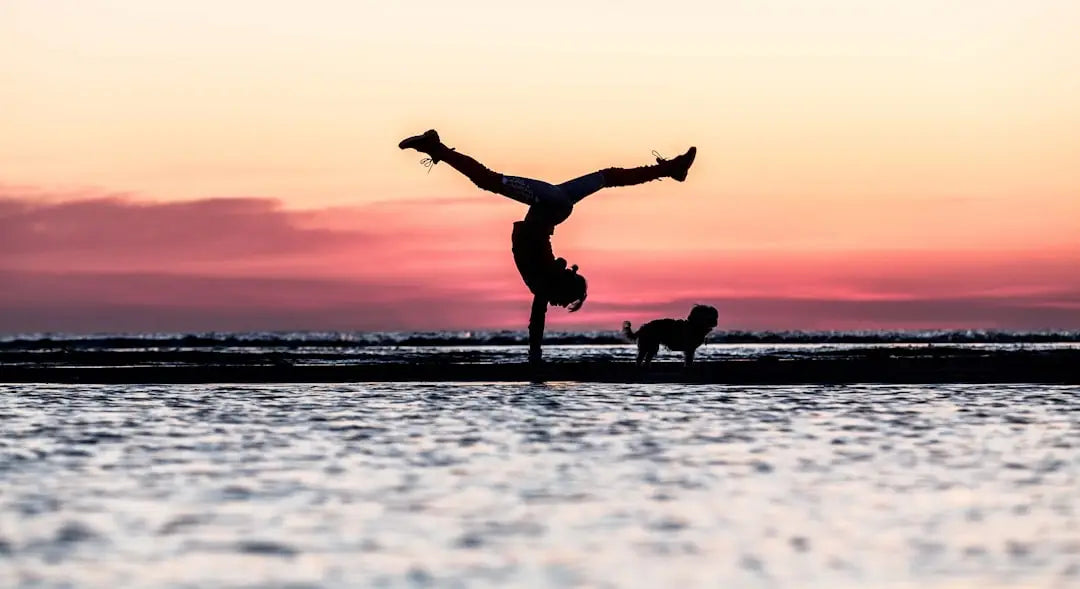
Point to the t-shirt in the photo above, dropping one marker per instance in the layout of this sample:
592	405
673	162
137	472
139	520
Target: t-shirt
531	244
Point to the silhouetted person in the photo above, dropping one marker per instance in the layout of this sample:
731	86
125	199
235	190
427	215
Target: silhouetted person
548	278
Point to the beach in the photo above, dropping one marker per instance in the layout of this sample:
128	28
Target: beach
445	460
755	358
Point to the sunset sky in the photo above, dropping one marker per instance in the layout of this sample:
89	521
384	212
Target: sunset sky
196	165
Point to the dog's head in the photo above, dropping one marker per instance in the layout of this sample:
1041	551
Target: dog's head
703	316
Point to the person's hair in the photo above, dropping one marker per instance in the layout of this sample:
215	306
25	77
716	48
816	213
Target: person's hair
568	289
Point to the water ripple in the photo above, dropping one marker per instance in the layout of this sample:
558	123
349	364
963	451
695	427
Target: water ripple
541	485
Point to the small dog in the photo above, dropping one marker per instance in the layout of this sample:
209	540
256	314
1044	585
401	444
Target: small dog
680	335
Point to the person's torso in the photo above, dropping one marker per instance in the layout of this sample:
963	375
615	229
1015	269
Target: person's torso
533	256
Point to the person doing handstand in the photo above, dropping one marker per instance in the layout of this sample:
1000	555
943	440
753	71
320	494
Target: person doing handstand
547	277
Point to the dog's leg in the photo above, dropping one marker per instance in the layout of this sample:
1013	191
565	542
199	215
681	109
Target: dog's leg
649	354
651	347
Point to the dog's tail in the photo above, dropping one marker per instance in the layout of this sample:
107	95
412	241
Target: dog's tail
627	332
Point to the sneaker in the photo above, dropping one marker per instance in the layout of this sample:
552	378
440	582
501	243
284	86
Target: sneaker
427	142
680	165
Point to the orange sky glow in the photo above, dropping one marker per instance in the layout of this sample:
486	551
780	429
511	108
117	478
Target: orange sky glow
219	166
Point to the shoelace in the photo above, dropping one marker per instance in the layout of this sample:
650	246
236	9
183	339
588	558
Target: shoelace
430	163
661	158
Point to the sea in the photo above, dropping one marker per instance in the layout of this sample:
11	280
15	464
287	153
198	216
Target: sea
486	347
562	484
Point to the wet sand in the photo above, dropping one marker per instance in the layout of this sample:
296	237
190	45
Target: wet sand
912	365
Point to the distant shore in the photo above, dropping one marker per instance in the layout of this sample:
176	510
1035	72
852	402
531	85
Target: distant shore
350	340
878	365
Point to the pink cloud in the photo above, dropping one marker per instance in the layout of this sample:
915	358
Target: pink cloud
94	262
163	302
146	302
120	233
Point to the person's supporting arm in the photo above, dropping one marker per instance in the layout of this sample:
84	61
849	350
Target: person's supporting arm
536	327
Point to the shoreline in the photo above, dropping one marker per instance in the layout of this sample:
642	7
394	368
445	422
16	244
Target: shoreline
879	366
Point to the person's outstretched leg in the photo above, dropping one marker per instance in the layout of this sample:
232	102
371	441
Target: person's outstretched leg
544	200
676	168
430	144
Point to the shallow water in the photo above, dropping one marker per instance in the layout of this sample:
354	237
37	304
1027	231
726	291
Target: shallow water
494	354
559	485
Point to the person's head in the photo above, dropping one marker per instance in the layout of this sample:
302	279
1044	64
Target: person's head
568	289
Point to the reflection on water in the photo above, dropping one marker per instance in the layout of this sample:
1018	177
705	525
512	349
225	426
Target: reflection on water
406	485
